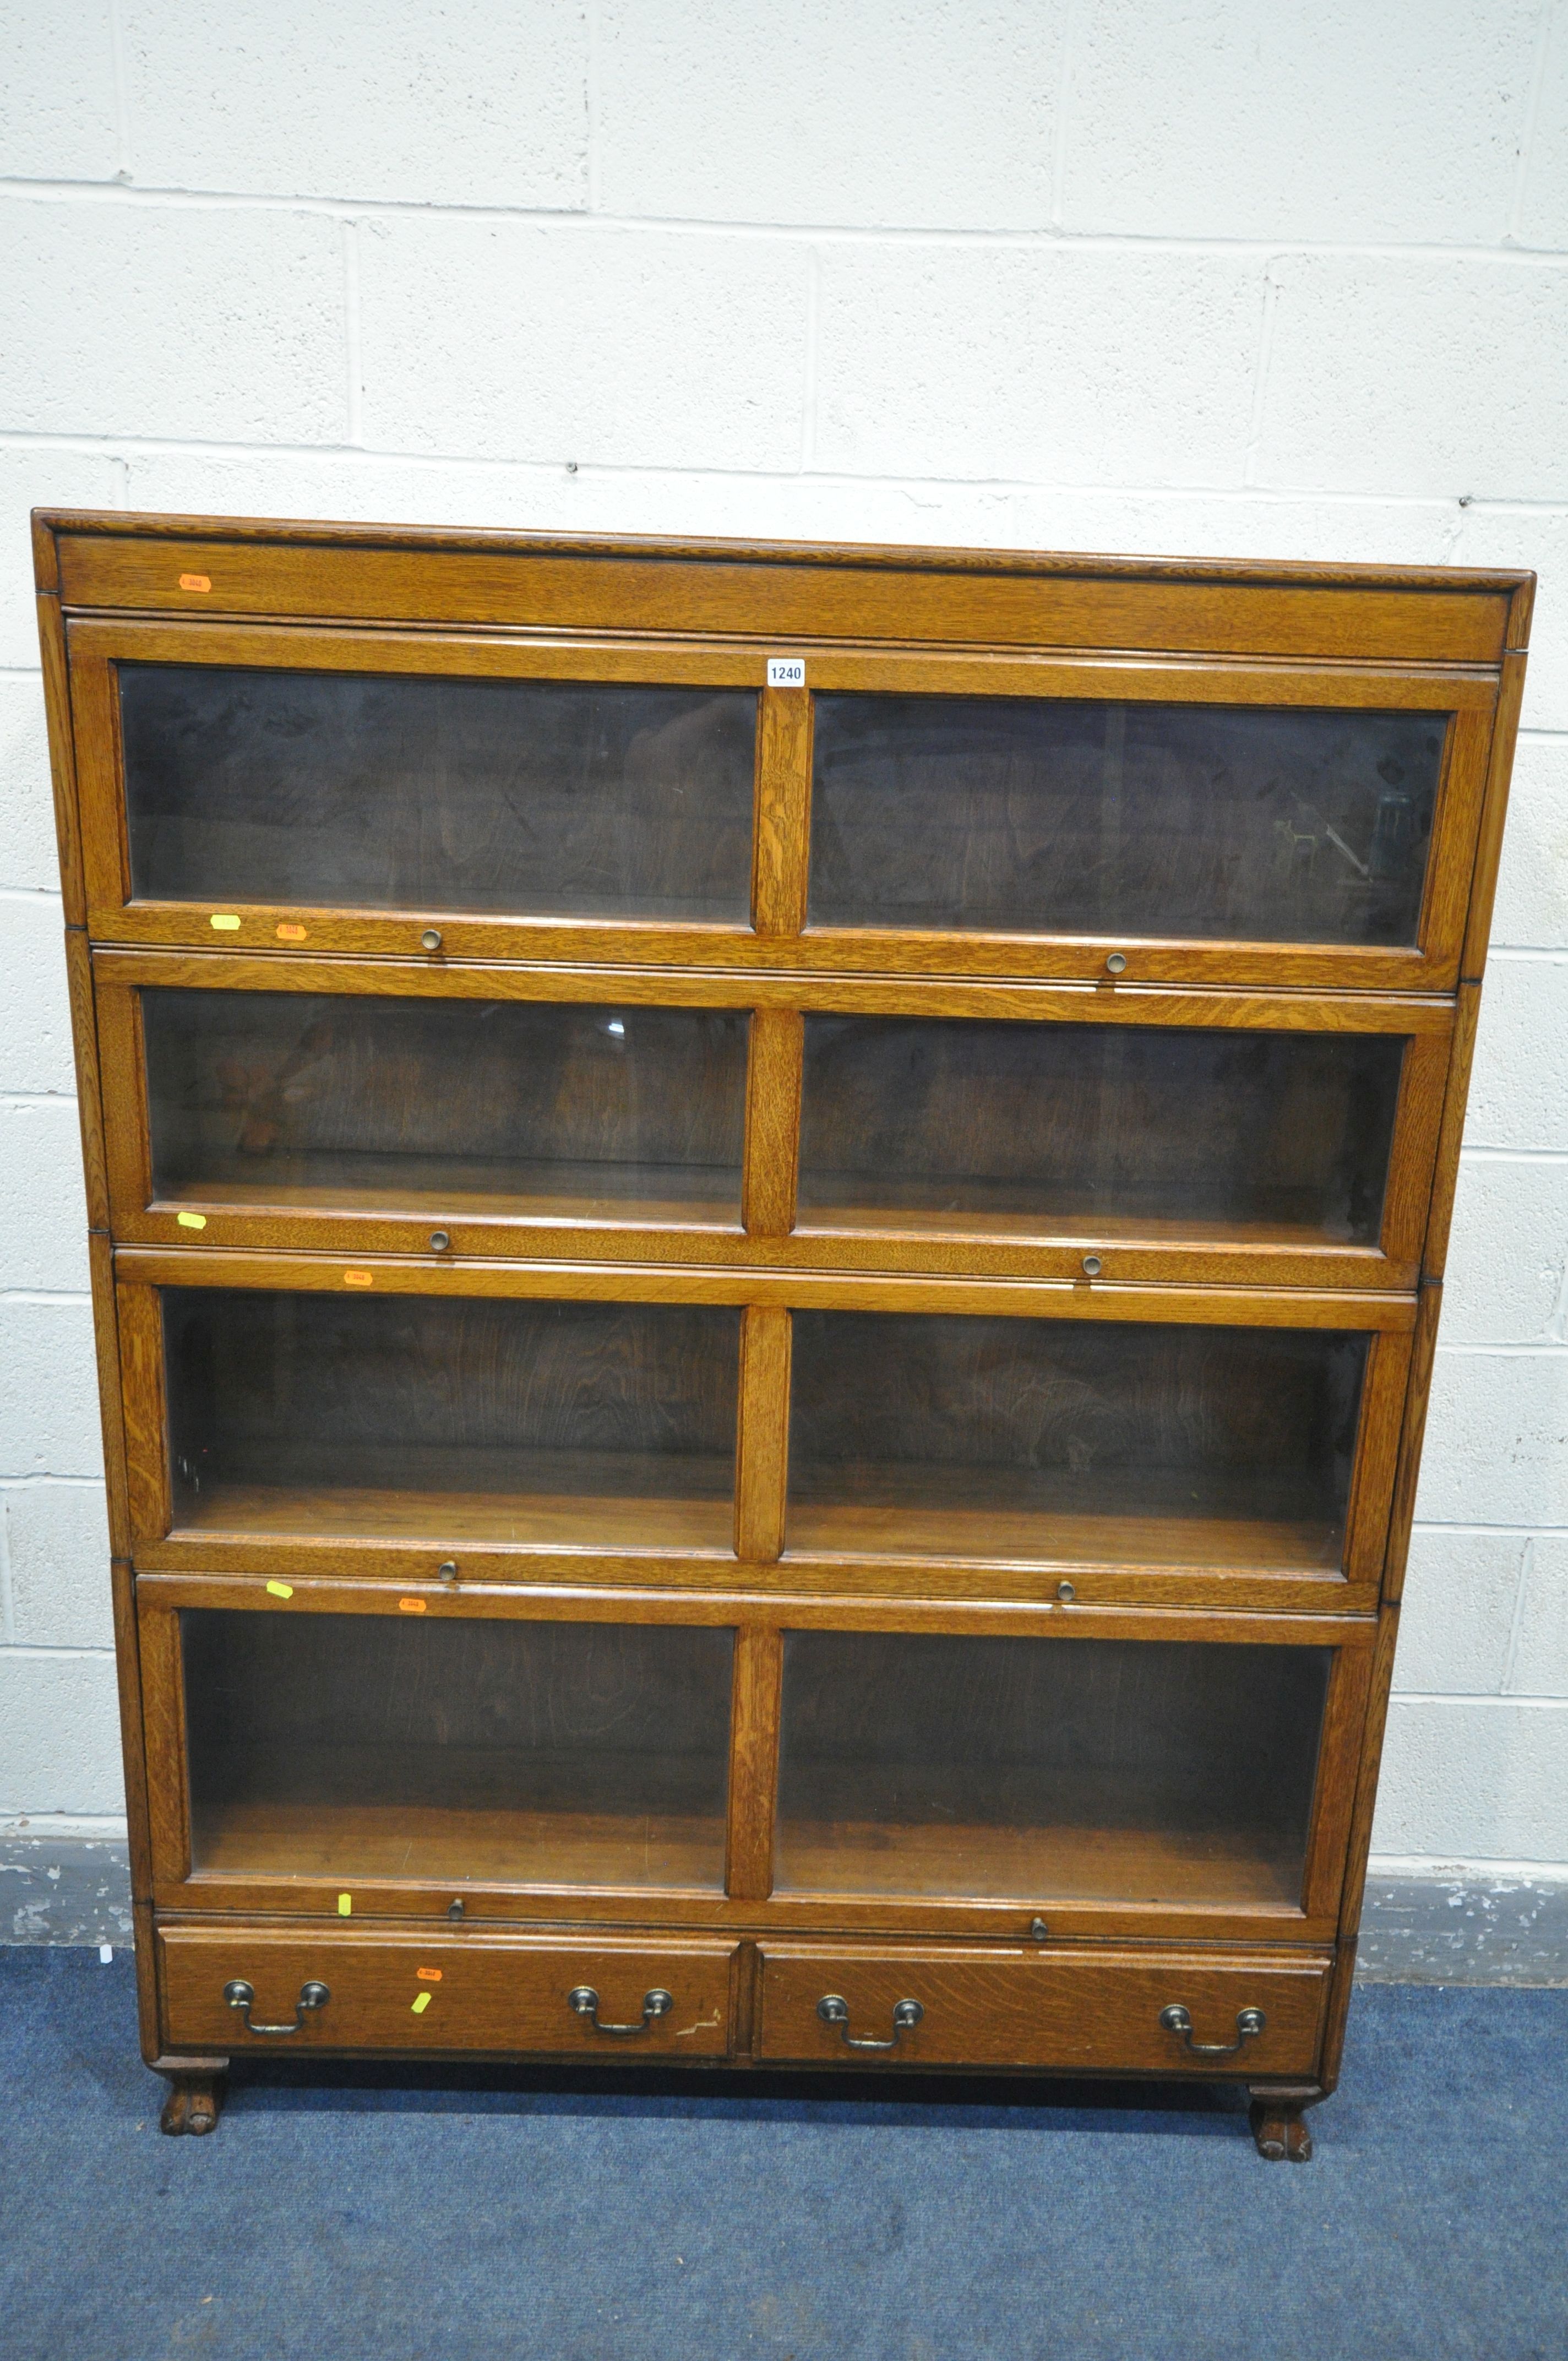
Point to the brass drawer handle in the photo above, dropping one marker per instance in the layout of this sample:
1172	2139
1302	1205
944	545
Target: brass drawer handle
584	2002
1176	2019
240	1994
833	2009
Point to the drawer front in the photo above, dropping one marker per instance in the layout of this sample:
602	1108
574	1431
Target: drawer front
444	1991
1041	2006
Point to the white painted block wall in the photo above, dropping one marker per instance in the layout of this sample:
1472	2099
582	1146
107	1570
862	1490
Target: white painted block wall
1228	277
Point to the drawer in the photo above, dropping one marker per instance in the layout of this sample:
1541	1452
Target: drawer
444	1991
1073	2011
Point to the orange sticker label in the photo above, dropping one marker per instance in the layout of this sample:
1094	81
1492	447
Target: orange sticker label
195	582
358	1279
427	1975
291	934
412	1606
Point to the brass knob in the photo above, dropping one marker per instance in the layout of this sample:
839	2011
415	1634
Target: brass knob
1117	963
440	1240
431	939
1092	1265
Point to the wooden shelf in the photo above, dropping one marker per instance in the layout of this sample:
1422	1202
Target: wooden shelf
1036	1865
451	1845
900	1509
995	1211
645	1195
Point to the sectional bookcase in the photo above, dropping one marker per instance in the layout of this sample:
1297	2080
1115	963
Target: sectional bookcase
767	1226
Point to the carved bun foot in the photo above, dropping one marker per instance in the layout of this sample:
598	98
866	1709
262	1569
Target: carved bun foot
1280	2131
192	2104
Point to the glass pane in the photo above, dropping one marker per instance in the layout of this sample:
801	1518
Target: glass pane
1030	815
536	1753
497	1107
567	1424
565	800
1116	1770
1086	1441
1157	1131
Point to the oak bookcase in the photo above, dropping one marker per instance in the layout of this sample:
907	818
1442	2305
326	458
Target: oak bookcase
767	1226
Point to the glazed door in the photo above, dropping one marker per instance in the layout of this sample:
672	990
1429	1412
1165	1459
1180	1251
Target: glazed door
1142	1775
451	1419
328	1757
596	1113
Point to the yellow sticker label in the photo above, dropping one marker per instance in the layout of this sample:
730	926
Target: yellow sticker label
412	1605
427	1975
192	1221
224	922
345	1906
291	934
195	582
421	2004
357	1278
281	1589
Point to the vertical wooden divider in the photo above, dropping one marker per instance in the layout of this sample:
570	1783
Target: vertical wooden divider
782	833
772	1155
761	1458
146	1415
753	1763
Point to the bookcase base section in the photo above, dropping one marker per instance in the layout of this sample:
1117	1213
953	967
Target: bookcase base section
1158	2011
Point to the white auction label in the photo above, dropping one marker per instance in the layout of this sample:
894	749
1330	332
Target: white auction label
787	672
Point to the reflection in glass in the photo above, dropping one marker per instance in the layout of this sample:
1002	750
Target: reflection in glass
1156	1129
406	793
498	1107
1124	1771
607	1425
1024	815
533	1753
1083	1440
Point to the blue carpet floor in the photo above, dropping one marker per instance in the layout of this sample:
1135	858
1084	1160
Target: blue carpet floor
466	2217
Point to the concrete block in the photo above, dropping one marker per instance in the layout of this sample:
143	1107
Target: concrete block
1541	1646
61	1887
1333	121
1543	210
1409	373
1071	366
1509	1255
33	477
471	105
43	1203
1474	1780
873	116
59	1734
57	93
48	1390
1518	1089
1496	1439
223	324
1536	537
34	1008
27	855
1458	1611
1207	524
1531	907
501	340
57	1539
